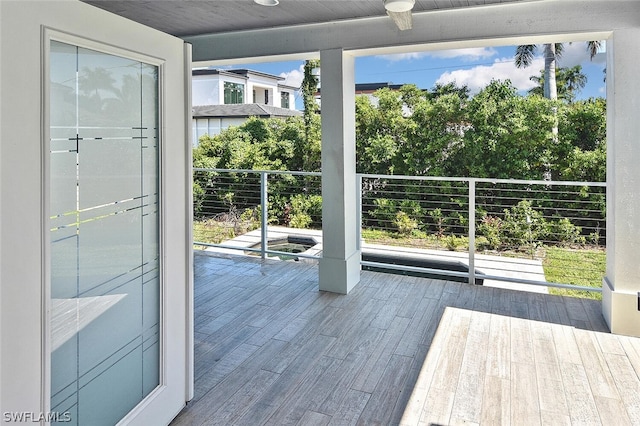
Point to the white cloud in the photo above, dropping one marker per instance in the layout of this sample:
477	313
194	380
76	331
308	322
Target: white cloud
576	53
294	77
470	54
404	56
478	77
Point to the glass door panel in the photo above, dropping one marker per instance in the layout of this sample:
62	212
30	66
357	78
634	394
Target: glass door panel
105	260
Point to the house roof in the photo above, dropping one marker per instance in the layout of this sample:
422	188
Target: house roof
243	110
240	72
363	88
372	87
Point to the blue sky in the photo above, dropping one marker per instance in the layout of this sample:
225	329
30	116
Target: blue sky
475	67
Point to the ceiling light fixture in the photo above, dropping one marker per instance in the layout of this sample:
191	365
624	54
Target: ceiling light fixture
397	5
267	2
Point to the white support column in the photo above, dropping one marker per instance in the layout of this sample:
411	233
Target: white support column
340	263
621	285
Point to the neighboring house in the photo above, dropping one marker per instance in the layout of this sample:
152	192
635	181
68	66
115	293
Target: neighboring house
223	98
370	88
213	119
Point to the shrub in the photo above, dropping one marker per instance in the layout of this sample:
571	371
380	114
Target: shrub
523	226
384	212
198	199
404	223
438	220
490	228
248	220
300	220
452	242
565	232
306	205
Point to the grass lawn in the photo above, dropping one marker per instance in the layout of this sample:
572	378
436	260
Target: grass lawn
580	267
208	231
561	265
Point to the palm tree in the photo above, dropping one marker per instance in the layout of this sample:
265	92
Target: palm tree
552	51
569	81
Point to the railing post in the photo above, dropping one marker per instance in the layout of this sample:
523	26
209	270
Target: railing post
472	231
359	211
265	215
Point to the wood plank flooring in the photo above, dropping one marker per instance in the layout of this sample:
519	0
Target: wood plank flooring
270	349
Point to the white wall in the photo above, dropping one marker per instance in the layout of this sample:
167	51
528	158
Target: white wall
263	95
260	84
23	248
621	286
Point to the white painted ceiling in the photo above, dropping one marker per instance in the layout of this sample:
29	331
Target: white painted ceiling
193	17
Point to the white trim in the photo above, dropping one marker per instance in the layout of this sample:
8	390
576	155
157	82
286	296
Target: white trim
190	373
45	403
87	43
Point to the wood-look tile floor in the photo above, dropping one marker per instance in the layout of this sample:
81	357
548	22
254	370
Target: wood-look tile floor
272	349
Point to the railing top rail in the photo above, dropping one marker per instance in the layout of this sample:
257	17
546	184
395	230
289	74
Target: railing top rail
271	172
424	178
485	180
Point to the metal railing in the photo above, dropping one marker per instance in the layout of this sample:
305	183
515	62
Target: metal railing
235	210
513	231
498	229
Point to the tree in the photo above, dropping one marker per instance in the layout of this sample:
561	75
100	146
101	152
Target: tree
380	131
552	51
309	89
504	137
581	151
569	82
438	126
450	88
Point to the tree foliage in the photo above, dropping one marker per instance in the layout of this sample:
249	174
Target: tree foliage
569	82
442	132
496	133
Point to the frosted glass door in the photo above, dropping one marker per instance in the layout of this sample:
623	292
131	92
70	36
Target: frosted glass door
105	260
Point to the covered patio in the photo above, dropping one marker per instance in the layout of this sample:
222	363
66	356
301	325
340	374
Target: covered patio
271	349
282	343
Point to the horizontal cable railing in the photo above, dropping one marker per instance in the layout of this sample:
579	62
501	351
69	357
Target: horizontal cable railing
543	233
270	213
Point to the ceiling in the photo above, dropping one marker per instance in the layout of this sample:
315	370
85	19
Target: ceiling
193	17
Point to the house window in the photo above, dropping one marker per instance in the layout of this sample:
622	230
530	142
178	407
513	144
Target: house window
266	97
284	100
233	93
